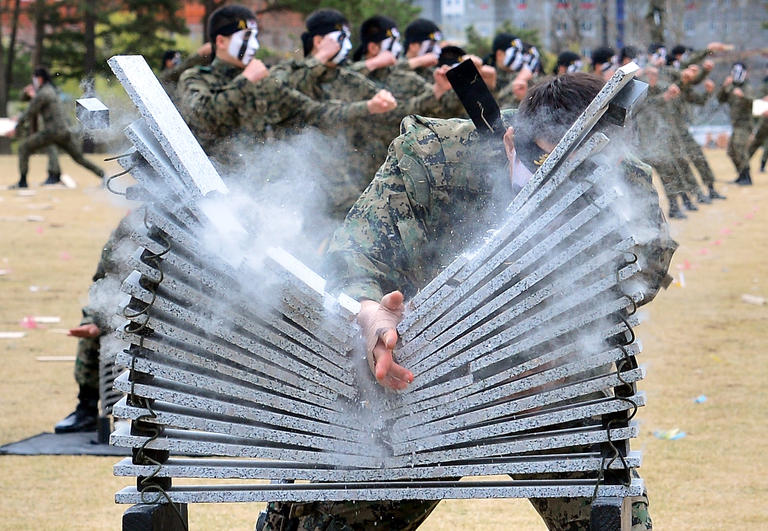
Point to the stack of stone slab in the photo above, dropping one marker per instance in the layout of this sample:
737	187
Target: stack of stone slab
522	348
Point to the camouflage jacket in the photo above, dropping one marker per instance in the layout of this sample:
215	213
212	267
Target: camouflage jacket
47	105
225	110
413	93
655	130
439	189
169	78
741	106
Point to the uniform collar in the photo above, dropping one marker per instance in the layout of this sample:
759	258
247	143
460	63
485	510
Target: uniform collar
221	67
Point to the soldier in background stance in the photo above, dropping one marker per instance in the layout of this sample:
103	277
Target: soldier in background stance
56	130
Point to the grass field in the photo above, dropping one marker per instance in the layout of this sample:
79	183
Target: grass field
700	338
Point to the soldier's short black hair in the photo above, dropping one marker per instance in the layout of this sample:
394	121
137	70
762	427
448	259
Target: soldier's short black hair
168	55
42	72
566	58
450	55
678	50
628	52
321	22
601	55
551	107
654	47
502	41
420	30
227	20
374	29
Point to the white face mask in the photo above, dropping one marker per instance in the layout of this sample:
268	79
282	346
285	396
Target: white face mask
346	45
392	44
431	46
575	66
243	44
513	56
520	174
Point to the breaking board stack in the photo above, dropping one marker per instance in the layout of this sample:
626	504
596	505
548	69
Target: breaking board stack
522	348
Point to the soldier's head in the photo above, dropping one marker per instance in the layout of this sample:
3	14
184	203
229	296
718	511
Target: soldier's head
422	36
40	76
330	24
451	55
547	112
506	52
232	31
171	59
739	74
378	34
603	61
627	55
677	54
567	61
657	54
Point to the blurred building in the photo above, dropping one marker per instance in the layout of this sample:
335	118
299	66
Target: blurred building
586	25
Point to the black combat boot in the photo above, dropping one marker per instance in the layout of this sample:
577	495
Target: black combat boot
83	418
674	210
702	198
745	179
21	184
688	203
53	178
714	194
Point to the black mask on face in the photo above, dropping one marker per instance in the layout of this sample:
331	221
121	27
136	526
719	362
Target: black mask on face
528	151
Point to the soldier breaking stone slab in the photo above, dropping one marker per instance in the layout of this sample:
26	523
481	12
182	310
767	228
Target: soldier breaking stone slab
440	187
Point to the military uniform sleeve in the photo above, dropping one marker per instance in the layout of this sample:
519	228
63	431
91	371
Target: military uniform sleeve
372	253
723	95
691	96
172	75
210	108
41	99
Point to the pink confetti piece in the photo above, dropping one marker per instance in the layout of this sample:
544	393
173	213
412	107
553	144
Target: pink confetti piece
717	242
704	251
65	255
39	230
749	216
726	231
685	265
28	322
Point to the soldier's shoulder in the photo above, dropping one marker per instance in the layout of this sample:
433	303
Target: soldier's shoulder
637	171
426	137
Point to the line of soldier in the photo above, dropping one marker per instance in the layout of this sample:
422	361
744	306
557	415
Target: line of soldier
234	102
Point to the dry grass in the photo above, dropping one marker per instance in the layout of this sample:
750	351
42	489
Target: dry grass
701	339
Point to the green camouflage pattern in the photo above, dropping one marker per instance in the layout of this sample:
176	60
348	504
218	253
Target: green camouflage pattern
88	349
741	122
227	112
439	188
169	78
56	132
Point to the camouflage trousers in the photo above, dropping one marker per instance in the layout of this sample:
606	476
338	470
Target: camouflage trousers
738	146
87	361
760	139
66	140
693	152
559	514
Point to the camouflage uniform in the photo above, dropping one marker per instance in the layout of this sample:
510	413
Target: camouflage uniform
51	151
169	77
761	133
56	131
88	349
741	122
227	112
656	143
366	141
418	212
413	94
